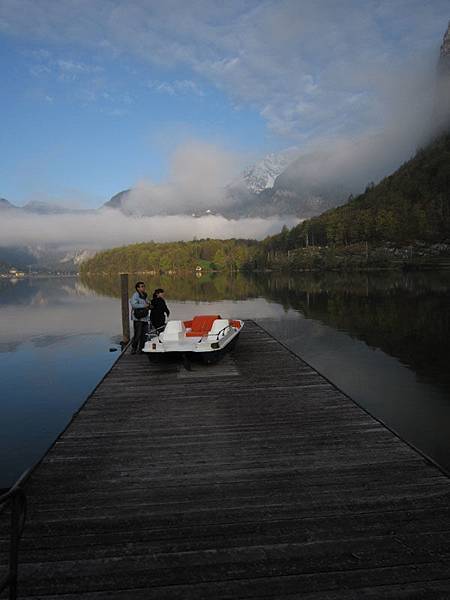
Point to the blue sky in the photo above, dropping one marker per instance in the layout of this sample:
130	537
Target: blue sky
98	95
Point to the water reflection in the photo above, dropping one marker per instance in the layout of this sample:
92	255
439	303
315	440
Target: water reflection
54	340
383	338
406	315
210	287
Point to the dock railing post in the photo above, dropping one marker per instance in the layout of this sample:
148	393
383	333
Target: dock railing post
125	308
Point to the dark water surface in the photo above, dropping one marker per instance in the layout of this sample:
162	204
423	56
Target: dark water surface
384	339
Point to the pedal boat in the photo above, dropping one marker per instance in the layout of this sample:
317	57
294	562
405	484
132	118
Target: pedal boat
207	335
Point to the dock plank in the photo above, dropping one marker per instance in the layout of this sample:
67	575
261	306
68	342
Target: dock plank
259	479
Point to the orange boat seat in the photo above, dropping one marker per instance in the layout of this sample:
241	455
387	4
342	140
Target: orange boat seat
201	325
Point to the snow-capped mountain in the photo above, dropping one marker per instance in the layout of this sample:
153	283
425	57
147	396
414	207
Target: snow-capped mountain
77	257
237	195
262	174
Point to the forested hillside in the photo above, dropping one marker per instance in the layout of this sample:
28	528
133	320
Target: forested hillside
173	257
411	205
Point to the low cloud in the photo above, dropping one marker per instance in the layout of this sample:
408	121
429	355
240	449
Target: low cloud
196	182
109	228
351	83
197	179
351	159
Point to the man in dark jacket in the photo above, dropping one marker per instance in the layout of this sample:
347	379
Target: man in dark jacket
159	309
140	309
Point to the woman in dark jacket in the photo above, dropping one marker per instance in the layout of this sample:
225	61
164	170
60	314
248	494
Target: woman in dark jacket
159	309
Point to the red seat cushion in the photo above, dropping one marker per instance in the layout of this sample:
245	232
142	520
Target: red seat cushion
201	324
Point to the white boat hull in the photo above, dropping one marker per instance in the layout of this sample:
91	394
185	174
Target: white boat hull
176	338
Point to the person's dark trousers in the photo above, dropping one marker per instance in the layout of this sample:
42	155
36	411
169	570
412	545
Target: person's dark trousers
159	324
140	329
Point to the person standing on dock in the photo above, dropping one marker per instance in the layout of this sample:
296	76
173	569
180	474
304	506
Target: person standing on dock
140	315
159	309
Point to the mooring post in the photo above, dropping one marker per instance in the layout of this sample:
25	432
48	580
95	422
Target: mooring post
125	308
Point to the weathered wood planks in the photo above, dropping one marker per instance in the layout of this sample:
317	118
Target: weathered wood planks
257	479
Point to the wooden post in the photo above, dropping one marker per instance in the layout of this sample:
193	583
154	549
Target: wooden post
125	308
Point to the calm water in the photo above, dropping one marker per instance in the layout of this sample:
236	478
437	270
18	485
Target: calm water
384	339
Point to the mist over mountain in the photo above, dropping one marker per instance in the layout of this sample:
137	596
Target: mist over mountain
203	197
327	171
262	175
259	191
410	207
41	257
236	199
5	204
118	202
41	208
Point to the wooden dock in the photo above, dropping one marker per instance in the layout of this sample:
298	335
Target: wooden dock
253	478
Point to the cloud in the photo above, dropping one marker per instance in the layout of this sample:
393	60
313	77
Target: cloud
39	70
69	70
309	67
176	87
108	228
64	69
350	82
353	159
196	182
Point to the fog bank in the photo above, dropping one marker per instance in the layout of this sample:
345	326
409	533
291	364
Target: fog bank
109	228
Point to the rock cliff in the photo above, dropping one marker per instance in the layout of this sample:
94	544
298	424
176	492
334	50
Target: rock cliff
442	103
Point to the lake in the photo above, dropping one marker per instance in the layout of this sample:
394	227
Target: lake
382	338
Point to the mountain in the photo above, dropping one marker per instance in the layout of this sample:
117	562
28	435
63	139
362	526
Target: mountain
295	192
117	201
41	258
18	256
241	196
441	115
311	184
44	208
6	205
304	185
76	257
49	208
444	57
262	175
410	206
41	208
